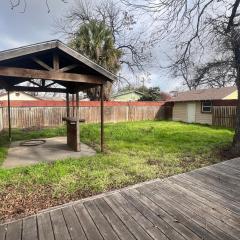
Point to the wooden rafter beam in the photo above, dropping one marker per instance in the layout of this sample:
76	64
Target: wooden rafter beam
42	64
34	83
68	68
56	64
37	89
50	84
50	75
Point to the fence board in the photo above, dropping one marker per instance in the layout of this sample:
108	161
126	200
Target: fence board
26	117
224	116
1	119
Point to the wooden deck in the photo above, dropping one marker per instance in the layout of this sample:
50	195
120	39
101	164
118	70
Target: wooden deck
203	204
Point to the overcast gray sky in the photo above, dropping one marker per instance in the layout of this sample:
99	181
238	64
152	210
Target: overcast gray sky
36	25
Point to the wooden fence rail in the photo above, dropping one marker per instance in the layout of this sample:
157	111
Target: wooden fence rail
224	116
27	117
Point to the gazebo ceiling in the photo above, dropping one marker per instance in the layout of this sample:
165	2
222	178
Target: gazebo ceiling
53	61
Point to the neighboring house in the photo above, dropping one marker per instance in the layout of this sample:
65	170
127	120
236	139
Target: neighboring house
129	96
53	98
22	96
196	106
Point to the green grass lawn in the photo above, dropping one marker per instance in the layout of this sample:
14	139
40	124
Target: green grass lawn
135	152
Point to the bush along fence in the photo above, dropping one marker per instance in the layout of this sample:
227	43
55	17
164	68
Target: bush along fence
27	114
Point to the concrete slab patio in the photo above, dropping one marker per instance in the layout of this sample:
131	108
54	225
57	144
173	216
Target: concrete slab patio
53	149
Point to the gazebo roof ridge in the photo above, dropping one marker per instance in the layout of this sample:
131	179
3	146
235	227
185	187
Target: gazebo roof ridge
54	44
29	45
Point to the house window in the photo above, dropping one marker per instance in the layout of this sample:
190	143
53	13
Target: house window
206	106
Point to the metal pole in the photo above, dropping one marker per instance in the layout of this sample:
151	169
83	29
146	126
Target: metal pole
9	118
102	118
68	107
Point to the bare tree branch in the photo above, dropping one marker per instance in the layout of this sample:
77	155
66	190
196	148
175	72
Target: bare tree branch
233	15
23	3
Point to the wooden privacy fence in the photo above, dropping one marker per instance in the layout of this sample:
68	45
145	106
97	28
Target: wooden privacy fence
224	116
50	116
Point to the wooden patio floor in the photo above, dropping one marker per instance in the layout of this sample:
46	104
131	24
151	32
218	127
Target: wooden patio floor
202	204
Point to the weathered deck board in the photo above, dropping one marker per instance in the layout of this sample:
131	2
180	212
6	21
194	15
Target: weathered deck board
207	193
3	230
202	212
158	222
180	216
211	191
29	228
88	225
59	225
102	224
14	231
133	226
190	211
202	204
45	230
179	227
154	232
74	227
218	210
119	227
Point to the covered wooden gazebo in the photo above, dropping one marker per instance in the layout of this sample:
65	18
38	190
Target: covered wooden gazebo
57	67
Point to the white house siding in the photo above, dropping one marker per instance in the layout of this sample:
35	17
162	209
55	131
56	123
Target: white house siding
18	96
203	118
180	113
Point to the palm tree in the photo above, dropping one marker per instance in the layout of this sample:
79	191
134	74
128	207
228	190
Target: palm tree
95	40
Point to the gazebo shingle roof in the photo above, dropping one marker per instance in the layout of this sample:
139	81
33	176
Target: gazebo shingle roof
51	61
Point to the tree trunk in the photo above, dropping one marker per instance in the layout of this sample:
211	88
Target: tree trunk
236	139
236	49
94	93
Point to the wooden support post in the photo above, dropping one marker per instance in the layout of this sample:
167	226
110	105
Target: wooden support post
78	124
9	118
67	105
102	118
73	107
77	105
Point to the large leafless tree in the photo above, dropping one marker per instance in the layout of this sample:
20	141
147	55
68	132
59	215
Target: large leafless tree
201	28
216	73
130	36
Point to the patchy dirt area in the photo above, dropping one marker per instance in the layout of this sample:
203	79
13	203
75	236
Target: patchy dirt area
16	203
